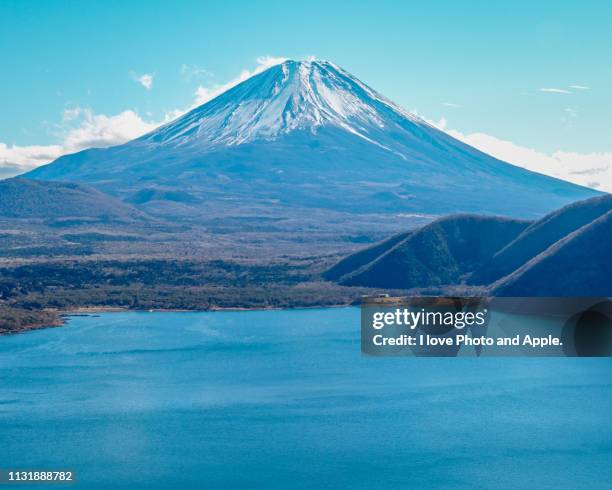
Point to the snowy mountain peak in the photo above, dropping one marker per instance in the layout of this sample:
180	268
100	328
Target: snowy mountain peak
294	95
308	135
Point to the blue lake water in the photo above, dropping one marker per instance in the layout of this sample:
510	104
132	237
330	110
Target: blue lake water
284	399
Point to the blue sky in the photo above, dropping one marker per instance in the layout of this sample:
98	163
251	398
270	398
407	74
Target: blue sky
475	68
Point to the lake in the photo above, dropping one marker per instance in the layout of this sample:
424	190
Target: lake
284	399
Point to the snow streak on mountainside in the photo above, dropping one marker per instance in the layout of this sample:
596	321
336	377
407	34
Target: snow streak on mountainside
310	135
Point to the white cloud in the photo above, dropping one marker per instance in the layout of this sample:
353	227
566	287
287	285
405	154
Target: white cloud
146	80
450	104
18	159
82	129
189	72
580	87
267	61
100	130
556	90
71	114
588	169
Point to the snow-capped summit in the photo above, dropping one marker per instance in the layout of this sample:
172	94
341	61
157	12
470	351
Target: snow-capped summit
294	95
304	136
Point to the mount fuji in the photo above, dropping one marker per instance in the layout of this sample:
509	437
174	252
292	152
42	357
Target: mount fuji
308	139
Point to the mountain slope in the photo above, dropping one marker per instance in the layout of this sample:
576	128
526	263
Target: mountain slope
577	265
308	135
440	253
30	199
541	235
359	259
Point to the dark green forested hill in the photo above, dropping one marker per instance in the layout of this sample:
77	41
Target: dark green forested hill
566	253
442	252
580	264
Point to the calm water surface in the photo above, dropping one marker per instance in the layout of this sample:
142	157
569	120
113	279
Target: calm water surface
283	399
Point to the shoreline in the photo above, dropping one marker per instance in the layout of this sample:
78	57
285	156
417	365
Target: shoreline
54	320
118	309
61	316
